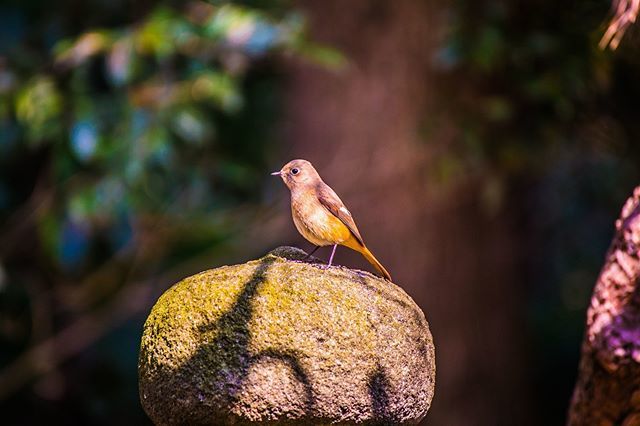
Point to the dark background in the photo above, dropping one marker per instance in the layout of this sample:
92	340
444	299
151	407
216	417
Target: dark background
484	147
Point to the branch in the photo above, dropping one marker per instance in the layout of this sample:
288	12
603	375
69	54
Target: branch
626	12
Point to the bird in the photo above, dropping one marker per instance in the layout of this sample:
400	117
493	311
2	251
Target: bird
320	215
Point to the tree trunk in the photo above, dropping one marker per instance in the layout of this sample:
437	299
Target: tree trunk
363	128
607	391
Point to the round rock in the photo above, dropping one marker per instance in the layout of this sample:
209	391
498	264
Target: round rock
282	341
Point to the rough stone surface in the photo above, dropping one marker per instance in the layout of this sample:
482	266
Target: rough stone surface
282	341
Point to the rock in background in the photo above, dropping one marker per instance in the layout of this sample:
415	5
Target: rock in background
284	341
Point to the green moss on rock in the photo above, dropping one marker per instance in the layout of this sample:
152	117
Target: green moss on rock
279	340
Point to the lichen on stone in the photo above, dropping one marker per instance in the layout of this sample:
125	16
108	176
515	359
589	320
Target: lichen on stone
289	341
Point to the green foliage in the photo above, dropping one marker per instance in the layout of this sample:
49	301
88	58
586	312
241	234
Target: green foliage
132	137
38	107
130	116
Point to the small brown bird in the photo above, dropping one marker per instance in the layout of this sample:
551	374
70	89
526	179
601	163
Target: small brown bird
319	214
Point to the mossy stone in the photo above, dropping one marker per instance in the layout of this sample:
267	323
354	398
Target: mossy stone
282	341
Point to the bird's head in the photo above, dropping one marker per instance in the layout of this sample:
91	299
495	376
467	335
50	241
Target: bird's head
297	173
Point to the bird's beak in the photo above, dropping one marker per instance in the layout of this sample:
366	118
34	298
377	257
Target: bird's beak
276	173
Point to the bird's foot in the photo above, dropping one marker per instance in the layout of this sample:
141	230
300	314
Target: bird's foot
322	266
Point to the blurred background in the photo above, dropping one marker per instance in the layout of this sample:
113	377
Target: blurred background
484	147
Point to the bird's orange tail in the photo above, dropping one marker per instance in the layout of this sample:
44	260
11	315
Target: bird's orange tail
372	260
356	245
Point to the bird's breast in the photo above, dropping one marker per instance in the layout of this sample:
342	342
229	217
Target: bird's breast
315	222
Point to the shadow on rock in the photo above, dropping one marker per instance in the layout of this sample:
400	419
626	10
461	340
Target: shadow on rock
379	391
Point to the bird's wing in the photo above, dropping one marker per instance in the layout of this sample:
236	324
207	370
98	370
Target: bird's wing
330	200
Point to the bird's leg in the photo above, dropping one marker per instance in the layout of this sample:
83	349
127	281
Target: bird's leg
312	251
335	246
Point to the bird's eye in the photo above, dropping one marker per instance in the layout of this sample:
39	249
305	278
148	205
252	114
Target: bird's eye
295	171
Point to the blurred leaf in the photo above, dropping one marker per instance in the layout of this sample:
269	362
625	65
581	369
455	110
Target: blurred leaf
84	139
192	126
74	53
488	49
158	34
219	88
121	61
38	107
323	55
